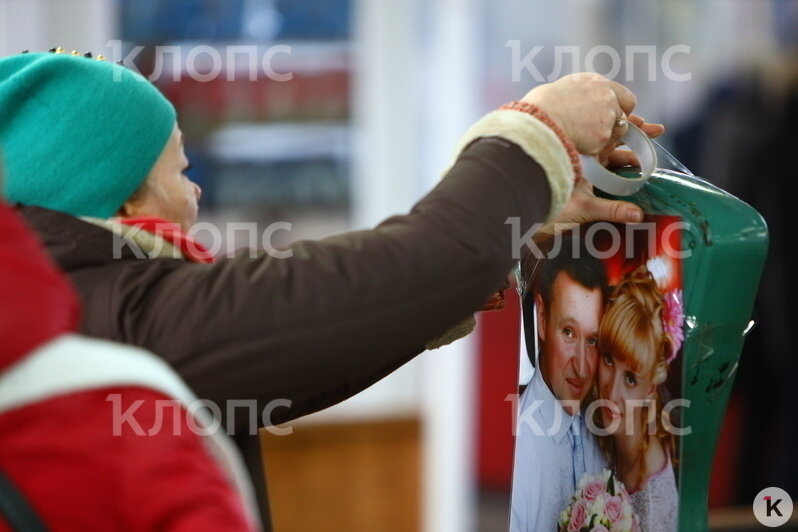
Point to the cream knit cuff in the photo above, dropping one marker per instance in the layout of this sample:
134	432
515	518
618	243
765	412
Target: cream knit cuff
538	141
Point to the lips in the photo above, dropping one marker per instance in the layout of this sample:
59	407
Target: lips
611	412
576	386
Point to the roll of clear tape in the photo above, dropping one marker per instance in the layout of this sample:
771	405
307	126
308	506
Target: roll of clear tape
617	185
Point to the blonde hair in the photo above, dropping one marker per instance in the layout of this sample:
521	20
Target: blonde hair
631	331
631	328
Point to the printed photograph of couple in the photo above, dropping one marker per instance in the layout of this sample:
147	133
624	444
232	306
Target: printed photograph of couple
597	423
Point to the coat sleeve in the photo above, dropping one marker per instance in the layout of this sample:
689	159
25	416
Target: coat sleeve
343	312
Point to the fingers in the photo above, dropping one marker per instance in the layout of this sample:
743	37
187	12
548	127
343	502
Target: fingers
614	211
620	127
652	130
620	158
610	156
637	120
584	207
605	154
626	98
592	110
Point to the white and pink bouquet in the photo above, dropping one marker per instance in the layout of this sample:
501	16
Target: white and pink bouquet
600	504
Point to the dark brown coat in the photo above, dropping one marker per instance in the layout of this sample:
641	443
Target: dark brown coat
337	316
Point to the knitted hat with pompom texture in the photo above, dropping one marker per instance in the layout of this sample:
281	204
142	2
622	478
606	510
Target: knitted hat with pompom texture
78	135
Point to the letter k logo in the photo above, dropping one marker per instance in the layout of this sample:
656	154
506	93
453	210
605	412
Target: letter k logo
772	506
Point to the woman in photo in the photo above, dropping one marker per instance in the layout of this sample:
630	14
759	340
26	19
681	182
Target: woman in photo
637	342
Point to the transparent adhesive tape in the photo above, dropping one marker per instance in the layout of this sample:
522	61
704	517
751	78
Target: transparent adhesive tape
617	185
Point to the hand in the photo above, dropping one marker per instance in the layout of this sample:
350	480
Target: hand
612	157
586	107
584	206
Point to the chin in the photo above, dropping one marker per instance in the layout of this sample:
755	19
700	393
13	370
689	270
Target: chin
188	223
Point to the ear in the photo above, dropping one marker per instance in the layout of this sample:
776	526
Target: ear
132	208
540	311
136	205
126	210
660	376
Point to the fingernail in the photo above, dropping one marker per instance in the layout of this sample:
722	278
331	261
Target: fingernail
634	215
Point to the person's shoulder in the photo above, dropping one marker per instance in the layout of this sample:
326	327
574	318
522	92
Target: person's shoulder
53	225
529	405
533	392
534	438
656	458
537	401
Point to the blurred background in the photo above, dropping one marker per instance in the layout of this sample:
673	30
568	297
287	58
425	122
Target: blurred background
379	92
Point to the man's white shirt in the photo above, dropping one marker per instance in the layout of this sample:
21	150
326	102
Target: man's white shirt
543	468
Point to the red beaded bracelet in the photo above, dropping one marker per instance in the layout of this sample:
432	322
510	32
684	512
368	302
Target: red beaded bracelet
541	115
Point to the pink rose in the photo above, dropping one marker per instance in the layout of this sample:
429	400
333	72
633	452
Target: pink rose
613	507
578	516
594	490
599	528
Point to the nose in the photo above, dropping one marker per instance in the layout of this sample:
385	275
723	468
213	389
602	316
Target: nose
581	362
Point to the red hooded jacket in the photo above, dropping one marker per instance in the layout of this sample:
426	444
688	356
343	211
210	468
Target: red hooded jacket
61	453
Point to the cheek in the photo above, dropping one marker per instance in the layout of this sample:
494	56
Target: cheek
636	393
639	391
562	360
160	206
561	351
623	393
190	193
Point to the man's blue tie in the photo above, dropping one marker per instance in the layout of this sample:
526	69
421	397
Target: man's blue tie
578	450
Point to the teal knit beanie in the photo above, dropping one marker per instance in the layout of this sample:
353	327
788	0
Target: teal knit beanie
78	135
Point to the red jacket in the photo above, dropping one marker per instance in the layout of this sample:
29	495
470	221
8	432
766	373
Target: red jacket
61	453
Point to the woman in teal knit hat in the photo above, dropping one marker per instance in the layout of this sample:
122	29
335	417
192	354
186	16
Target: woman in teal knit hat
80	135
87	141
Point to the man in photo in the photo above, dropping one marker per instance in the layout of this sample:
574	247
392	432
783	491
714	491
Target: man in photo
554	448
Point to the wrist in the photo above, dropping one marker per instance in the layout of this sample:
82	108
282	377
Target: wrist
545	118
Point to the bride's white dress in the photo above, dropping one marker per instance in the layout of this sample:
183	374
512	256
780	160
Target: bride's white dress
657	503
